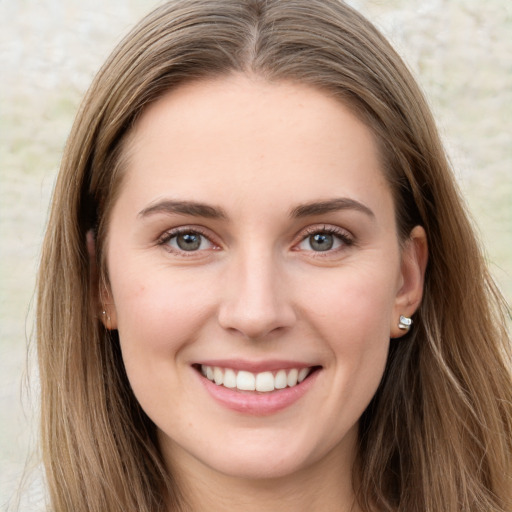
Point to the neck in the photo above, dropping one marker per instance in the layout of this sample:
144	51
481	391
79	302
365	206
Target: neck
323	485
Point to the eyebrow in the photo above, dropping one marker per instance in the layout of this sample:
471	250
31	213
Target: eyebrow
331	205
192	208
197	209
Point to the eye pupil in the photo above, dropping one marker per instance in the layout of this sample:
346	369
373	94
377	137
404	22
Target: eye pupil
188	241
321	241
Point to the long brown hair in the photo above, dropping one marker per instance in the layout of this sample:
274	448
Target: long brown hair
437	435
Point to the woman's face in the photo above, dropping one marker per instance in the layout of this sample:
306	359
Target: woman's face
254	243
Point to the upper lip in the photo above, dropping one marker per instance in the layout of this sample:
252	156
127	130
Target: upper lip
256	366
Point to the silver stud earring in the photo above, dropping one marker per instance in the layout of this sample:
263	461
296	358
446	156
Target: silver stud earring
404	323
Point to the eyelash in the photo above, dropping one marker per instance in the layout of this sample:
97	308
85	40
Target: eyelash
173	233
342	235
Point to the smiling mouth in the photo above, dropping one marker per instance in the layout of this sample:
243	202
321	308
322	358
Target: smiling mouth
263	382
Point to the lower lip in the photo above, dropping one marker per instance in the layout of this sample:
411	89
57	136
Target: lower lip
258	404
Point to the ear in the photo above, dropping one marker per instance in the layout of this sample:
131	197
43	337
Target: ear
412	278
101	294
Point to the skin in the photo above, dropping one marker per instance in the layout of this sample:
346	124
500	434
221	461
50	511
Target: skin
256	288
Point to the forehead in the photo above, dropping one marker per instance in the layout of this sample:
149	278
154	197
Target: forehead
242	138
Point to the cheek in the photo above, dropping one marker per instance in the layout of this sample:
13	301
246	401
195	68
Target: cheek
352	313
157	315
354	302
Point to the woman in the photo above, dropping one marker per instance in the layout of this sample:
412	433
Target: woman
251	293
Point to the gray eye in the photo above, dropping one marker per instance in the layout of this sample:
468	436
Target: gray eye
321	241
189	241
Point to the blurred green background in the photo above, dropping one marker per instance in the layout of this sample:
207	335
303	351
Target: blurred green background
460	51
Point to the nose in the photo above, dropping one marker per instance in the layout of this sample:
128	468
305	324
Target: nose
256	299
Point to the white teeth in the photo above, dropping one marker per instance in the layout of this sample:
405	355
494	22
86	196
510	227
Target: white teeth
292	377
230	379
265	381
248	381
218	376
303	373
280	380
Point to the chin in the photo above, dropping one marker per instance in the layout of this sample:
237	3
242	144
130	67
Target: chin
262	467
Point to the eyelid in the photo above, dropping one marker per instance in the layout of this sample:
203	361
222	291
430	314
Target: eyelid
347	239
169	234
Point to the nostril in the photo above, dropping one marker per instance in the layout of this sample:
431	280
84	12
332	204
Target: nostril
256	323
